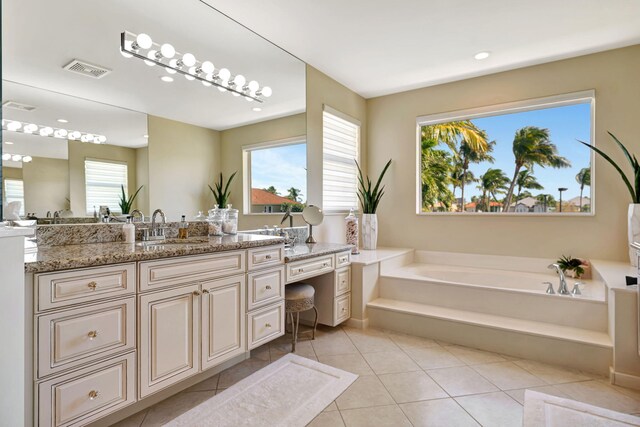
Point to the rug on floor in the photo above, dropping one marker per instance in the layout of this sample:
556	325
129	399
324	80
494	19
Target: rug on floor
290	392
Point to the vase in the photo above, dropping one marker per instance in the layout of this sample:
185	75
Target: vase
633	229
369	231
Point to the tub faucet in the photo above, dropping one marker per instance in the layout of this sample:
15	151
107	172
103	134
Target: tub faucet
562	289
286	216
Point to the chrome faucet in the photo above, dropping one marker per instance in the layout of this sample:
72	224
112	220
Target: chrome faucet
56	217
136	212
157	232
562	289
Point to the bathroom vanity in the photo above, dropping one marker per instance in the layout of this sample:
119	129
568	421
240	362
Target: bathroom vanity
116	325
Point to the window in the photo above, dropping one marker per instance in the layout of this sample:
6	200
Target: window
14	192
518	158
276	176
340	147
103	181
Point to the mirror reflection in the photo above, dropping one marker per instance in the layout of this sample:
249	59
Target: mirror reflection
151	117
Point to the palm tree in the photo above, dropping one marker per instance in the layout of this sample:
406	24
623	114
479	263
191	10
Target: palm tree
491	183
527	181
469	155
271	189
435	175
532	146
547	200
294	193
584	179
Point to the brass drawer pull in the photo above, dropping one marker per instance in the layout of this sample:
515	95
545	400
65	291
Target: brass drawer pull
267	325
344	309
93	394
92	335
205	291
92	285
268	287
268	257
196	293
326	264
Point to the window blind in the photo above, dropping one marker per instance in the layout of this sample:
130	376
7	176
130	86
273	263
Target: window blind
341	138
102	183
14	192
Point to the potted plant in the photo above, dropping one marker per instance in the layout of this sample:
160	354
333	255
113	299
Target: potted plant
222	197
573	267
633	217
125	202
369	199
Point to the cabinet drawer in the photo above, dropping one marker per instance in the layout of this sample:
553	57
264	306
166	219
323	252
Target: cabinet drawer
343	259
84	285
265	257
164	273
342	308
342	281
69	338
265	287
265	325
88	394
308	268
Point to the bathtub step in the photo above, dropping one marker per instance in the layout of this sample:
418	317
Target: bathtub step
583	336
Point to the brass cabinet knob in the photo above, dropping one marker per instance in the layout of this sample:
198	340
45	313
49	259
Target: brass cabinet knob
344	309
268	257
196	293
92	285
205	291
268	287
93	394
267	325
92	334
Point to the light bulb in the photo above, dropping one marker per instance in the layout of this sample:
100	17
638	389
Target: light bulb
207	84
14	126
27	159
192	70
16	157
166	79
189	60
173	63
60	133
256	109
266	91
239	81
248	98
221	89
235	94
6	156
46	131
128	44
207	67
144	41
151	55
253	86
167	51
482	55
30	128
224	75
101	139
74	135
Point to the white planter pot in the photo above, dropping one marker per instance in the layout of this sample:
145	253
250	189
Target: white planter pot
633	229
369	231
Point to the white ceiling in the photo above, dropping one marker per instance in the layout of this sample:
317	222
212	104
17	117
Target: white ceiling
378	47
39	37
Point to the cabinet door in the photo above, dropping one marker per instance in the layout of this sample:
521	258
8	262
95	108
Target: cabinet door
169	337
223	330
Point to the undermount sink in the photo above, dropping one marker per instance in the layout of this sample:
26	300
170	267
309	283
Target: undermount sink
175	241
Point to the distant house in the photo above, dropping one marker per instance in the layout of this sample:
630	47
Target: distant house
528	204
263	201
493	207
573	205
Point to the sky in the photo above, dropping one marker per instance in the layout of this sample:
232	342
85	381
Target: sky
283	167
566	124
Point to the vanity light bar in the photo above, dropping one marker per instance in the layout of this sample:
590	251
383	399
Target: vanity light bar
141	46
55	132
17	157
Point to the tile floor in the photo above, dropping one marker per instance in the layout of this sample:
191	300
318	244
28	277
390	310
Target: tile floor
411	381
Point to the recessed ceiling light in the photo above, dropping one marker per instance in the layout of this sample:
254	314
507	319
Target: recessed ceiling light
63	121
256	109
482	55
166	79
8	142
145	136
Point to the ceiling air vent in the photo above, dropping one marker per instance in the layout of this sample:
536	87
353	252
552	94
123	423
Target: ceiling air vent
86	69
18	106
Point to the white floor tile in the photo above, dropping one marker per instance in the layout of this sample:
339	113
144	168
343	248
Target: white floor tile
552	374
387	362
437	413
365	392
327	419
508	375
380	416
412	387
461	380
493	409
433	357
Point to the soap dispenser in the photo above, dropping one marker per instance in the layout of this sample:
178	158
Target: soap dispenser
351	222
183	228
129	231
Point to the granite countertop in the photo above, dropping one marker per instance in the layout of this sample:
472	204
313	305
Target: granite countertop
52	258
305	250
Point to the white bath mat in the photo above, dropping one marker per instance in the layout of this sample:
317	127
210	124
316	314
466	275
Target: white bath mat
289	392
543	410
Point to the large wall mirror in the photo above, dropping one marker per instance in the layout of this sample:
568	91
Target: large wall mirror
81	119
521	158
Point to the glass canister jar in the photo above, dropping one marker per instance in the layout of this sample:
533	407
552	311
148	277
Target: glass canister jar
351	222
230	224
215	221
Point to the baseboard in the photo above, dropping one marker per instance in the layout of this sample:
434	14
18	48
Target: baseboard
624	380
357	323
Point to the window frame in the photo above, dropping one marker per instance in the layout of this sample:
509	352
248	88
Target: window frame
126	184
339	114
5	193
246	170
566	99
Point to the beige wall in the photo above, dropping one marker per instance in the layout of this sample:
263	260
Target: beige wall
11	173
392	134
46	185
232	160
322	90
183	160
78	152
142	178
